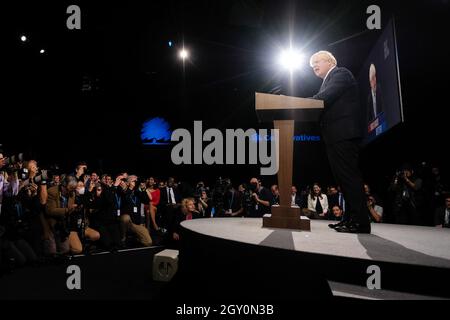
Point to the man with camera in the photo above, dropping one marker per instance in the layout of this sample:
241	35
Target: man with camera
132	216
406	188
260	199
14	220
67	210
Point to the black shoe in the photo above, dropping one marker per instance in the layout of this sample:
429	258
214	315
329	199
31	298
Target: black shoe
336	225
354	228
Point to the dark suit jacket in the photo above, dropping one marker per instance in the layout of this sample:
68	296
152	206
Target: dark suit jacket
298	199
343	118
379	105
164	199
439	217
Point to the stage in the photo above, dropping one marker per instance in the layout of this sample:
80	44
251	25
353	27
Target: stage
412	260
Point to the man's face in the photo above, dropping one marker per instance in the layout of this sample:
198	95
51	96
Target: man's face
275	190
2	160
373	82
254	182
170	182
333	191
408	173
321	65
94	177
293	189
366	189
81	170
56	179
32	167
132	183
447	203
108	180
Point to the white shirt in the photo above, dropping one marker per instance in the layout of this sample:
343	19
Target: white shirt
447	217
171	195
374	99
293	199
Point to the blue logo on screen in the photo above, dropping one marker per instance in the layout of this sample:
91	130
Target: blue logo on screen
156	131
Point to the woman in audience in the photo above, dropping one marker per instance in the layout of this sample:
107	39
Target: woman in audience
317	203
154	195
186	211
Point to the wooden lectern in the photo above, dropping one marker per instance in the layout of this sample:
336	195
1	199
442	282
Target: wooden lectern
284	111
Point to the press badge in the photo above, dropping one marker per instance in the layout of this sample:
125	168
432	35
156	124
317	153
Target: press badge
135	209
118	212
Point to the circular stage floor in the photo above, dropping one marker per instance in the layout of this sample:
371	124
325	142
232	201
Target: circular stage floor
420	246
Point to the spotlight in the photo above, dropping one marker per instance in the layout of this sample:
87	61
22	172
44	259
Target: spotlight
170	43
23	38
291	59
42	51
184	54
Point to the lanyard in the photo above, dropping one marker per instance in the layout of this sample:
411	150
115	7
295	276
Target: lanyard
133	199
118	200
63	201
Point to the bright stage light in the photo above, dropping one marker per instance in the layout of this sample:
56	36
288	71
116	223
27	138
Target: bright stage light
184	54
23	38
291	59
42	51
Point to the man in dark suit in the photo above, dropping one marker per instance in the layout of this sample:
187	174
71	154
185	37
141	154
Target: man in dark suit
296	198
442	214
342	129
374	100
170	198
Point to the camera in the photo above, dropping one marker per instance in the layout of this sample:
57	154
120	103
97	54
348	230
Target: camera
14	159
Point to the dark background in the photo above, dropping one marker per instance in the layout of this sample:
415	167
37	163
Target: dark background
121	51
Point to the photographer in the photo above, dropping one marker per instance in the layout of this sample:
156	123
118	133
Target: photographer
218	197
233	203
13	222
66	211
376	211
81	172
406	189
261	198
33	196
105	216
204	204
132	215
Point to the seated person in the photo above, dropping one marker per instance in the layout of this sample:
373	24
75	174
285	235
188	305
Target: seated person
336	213
186	211
442	214
317	204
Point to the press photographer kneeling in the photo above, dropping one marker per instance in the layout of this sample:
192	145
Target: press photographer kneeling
67	211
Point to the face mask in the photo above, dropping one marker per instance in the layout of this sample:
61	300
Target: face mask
81	191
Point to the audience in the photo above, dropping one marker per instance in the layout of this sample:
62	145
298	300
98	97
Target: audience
47	216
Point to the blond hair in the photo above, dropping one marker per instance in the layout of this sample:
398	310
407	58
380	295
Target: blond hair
184	203
329	57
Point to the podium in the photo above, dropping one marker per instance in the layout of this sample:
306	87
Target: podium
284	111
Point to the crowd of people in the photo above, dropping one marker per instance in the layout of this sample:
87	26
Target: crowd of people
48	214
